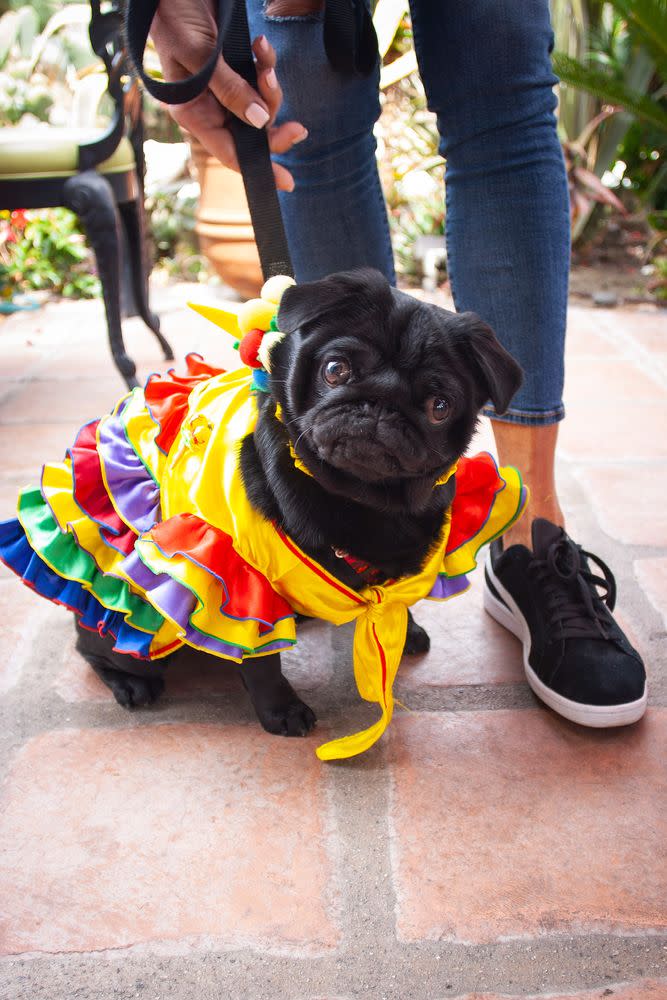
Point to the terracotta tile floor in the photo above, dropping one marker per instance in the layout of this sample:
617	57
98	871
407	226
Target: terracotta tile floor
486	850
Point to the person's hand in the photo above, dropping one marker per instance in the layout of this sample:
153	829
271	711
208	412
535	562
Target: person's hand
184	33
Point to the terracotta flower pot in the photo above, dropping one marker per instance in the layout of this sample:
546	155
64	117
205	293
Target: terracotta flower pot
225	232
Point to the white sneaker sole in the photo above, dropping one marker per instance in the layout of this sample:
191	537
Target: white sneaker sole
596	716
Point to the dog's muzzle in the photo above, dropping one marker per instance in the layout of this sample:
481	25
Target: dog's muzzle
369	441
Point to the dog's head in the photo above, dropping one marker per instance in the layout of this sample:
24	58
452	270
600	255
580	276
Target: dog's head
380	392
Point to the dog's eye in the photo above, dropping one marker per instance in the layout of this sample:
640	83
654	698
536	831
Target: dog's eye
336	371
437	409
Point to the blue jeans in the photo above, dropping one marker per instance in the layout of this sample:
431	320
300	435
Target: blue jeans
488	78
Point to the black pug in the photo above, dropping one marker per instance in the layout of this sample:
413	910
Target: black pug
380	395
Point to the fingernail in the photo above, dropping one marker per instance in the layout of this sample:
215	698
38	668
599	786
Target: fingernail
271	79
257	116
263	43
300	138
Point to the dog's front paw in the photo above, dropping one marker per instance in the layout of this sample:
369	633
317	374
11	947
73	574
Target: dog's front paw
129	690
416	639
278	706
286	715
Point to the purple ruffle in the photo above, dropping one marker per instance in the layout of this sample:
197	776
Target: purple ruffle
448	586
176	601
135	493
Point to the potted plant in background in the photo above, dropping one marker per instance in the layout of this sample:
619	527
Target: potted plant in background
223	226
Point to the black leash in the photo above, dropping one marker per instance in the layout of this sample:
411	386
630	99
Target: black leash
351	46
252	150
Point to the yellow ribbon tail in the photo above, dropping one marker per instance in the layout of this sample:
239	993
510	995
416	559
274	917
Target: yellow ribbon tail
350	746
379	637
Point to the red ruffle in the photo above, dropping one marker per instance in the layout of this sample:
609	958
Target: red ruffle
249	593
167	397
477	483
90	492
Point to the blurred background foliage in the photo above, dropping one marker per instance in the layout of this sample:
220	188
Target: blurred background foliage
50	74
611	56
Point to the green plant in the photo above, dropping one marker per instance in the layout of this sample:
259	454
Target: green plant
411	169
624	67
656	252
410	165
612	61
41	10
39	69
44	54
642	152
586	188
45	251
658	283
171	225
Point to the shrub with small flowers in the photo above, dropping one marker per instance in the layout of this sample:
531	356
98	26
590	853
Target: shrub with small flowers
45	251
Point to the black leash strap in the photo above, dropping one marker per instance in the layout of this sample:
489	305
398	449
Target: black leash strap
138	19
252	150
351	46
349	37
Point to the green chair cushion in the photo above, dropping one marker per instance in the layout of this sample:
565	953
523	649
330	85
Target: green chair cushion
43	152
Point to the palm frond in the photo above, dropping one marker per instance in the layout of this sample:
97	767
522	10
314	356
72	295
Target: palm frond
608	90
647	22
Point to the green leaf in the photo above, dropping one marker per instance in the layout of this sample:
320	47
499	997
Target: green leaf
608	90
647	22
17	27
386	20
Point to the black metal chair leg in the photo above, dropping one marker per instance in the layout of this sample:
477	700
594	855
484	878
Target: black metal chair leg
133	221
91	197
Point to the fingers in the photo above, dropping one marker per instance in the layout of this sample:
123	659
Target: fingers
235	94
206	121
206	117
184	33
267	81
264	52
283	137
283	178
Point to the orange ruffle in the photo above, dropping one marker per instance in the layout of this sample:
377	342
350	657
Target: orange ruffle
249	593
477	484
167	397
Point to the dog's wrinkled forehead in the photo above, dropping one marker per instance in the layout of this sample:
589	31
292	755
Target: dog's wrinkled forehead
359	303
410	336
362	304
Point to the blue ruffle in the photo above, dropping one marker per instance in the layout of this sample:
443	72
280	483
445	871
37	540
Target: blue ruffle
17	554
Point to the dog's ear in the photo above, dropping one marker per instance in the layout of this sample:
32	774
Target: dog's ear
348	291
499	373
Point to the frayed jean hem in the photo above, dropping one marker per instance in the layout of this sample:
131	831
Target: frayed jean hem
529	419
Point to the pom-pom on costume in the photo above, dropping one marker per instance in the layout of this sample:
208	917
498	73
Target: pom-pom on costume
145	531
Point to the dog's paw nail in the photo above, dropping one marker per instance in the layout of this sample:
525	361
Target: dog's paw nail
295	720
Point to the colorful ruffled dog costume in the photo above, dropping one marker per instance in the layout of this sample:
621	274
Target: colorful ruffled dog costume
145	531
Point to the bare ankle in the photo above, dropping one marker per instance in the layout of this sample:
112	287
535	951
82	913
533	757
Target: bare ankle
520	532
532	449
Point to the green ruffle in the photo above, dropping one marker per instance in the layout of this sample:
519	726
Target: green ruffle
61	552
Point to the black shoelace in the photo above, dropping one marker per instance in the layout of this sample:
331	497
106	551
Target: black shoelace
576	606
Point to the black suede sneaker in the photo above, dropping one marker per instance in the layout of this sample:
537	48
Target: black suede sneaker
577	659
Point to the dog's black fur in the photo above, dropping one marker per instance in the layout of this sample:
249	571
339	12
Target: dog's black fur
379	395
